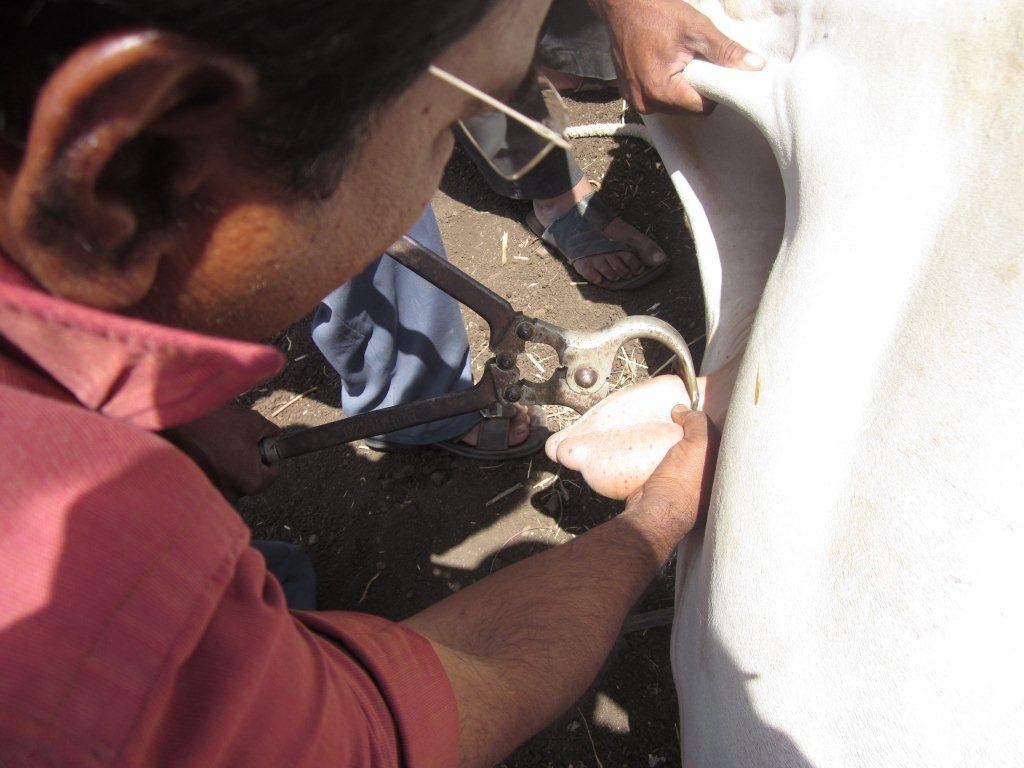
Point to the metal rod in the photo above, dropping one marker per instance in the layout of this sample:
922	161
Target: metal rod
499	315
275	449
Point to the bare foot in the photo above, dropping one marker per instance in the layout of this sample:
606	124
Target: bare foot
518	428
604	266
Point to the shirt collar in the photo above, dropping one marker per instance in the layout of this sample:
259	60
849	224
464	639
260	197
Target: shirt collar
150	375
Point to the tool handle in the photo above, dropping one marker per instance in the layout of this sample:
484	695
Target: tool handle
275	449
496	311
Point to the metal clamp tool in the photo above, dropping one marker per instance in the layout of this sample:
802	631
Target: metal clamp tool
580	382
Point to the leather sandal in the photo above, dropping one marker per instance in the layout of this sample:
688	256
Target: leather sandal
579	234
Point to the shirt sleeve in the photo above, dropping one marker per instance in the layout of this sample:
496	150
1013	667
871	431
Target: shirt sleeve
254	685
408	674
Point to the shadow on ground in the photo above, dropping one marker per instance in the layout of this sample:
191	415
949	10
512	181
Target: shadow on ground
387	538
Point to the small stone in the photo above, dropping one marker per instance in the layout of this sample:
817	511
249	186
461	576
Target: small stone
438	478
573	726
312	539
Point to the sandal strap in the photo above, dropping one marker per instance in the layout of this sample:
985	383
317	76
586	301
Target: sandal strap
579	233
593	209
493	433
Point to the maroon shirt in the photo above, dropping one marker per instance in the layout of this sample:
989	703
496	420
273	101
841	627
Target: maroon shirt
137	627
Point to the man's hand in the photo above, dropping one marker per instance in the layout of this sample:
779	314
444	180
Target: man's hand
516	662
618	443
682	481
654	40
226	446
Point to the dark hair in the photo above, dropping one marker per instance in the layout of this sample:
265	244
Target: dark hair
325	65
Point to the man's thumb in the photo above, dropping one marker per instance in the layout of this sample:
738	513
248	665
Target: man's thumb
726	52
694	423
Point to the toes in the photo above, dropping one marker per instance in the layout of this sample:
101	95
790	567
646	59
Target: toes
519	426
588	271
538	419
517	433
471	437
646	249
614	269
608	266
649	253
631	262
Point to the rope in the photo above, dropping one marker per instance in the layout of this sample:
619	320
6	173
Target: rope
612	130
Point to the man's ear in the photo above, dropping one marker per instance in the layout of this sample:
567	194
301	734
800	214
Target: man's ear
122	134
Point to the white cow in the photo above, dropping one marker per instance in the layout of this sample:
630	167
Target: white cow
856	597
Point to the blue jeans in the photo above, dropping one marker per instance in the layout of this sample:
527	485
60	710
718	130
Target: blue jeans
394	338
293	570
575	40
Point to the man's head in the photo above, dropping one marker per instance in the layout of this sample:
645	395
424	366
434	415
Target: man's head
222	165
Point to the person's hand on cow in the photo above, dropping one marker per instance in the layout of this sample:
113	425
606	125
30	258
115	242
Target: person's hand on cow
514	662
637	442
654	40
226	446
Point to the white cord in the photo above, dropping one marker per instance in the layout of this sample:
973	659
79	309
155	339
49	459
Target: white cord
613	130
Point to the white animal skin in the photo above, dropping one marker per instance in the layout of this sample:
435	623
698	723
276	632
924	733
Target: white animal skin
856	598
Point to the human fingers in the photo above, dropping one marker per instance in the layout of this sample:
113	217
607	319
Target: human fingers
680	95
703	38
263	427
694	424
241	468
706	39
254	477
683	479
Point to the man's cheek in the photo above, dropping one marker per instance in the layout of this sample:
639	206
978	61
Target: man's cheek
440	154
413	185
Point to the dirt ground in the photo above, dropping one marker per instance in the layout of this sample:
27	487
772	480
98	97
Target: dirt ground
391	534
